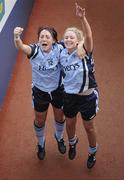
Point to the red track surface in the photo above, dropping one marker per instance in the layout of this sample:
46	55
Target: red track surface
18	160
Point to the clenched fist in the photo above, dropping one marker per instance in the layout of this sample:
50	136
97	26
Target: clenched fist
17	32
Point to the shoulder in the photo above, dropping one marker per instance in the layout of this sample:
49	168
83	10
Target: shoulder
34	50
88	53
58	47
61	43
64	51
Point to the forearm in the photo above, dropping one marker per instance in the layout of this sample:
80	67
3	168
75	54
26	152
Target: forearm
87	33
18	42
88	39
86	27
21	46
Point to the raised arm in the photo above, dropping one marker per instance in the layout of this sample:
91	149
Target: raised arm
88	39
19	43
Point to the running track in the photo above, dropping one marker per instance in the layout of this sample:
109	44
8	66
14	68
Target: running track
18	160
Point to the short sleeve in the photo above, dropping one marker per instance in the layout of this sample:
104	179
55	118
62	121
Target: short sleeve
33	47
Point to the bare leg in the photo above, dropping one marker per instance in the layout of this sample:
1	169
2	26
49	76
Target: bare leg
40	118
59	122
91	132
71	127
58	114
39	127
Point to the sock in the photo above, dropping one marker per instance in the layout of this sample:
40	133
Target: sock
92	150
73	140
40	135
59	127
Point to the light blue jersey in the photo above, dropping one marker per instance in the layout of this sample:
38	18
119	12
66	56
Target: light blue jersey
46	67
79	74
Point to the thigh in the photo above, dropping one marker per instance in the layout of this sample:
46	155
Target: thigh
58	114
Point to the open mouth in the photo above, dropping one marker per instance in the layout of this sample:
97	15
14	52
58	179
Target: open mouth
44	44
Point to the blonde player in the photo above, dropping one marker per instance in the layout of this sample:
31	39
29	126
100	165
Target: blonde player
80	85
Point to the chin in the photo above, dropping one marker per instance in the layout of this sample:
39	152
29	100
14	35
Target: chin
46	50
71	49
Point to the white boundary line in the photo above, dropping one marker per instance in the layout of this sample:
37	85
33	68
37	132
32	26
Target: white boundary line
9	4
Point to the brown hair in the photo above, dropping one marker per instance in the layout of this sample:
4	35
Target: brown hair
52	31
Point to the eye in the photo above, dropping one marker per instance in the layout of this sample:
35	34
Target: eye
47	37
66	37
41	37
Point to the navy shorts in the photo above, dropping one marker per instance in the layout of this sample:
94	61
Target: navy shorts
41	99
86	105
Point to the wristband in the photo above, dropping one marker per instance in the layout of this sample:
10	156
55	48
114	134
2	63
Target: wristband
17	38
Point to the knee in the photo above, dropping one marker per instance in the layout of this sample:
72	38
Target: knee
90	129
40	119
39	123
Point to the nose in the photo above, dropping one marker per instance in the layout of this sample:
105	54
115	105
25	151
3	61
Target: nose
44	38
68	38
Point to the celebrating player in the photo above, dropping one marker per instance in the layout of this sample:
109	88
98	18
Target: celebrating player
46	83
80	85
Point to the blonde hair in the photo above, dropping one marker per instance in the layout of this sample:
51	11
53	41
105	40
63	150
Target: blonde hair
78	32
80	37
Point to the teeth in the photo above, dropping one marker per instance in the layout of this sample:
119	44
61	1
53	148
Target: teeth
69	44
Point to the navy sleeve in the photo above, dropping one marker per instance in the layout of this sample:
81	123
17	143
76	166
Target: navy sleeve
33	47
62	43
